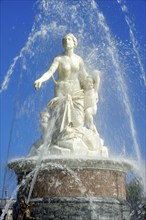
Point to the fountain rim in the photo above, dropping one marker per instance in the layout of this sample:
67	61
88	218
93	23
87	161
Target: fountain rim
27	164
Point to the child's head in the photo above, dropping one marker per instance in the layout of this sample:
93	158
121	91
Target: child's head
89	83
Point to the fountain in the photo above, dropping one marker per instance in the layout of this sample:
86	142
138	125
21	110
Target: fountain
69	172
70	141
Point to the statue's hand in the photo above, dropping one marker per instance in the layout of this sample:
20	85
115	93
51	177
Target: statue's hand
37	84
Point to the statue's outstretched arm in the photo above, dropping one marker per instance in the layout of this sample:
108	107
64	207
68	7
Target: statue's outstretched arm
47	75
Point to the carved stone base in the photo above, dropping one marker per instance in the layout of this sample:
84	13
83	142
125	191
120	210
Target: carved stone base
86	187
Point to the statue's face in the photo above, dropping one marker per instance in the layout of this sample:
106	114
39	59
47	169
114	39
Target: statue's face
68	42
89	84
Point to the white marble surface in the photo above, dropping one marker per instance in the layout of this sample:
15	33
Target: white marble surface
67	123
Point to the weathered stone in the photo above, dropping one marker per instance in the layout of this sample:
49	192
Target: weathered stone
84	208
76	189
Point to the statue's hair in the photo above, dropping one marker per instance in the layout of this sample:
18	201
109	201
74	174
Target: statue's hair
73	38
90	77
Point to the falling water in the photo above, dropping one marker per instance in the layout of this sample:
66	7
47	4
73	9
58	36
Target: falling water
23	182
134	41
45	150
99	50
133	38
24	50
33	175
55	165
115	59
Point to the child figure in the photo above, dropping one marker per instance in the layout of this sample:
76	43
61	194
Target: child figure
91	87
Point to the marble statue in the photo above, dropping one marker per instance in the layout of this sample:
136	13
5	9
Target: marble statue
69	115
91	87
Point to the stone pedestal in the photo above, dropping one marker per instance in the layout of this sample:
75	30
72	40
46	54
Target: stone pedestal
80	208
74	188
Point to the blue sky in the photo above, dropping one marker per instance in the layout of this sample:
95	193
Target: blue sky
17	19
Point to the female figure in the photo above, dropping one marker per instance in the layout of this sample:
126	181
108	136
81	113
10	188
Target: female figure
69	135
71	73
69	67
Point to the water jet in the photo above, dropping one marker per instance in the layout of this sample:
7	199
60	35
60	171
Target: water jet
71	165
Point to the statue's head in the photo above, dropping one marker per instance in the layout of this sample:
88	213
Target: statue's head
89	83
69	38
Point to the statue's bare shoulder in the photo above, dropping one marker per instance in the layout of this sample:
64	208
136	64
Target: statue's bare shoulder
57	59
